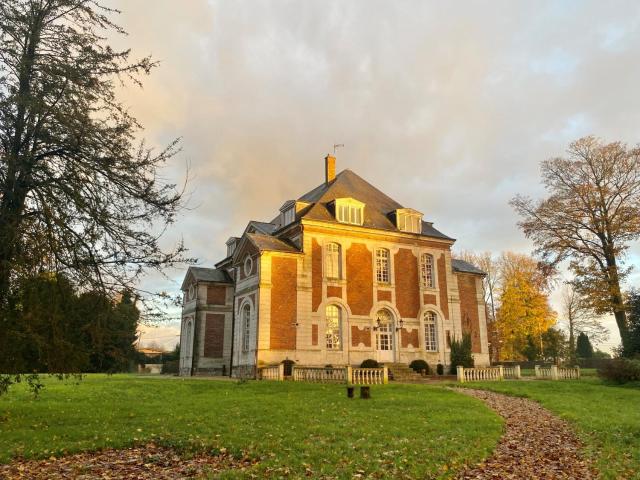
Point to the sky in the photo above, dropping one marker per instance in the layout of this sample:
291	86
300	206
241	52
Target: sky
448	107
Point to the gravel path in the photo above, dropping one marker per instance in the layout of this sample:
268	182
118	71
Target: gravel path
535	444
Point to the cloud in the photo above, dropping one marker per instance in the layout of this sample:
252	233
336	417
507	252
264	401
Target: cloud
449	108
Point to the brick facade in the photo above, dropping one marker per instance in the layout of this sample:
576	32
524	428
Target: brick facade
469	309
360	336
359	279
333	291
410	337
442	284
316	275
216	294
214	335
284	285
384	295
407	283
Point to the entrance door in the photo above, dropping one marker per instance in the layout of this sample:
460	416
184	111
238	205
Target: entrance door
384	336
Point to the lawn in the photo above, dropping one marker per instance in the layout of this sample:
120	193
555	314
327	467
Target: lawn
293	428
606	417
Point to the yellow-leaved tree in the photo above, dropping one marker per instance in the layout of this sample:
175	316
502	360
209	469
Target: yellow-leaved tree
524	313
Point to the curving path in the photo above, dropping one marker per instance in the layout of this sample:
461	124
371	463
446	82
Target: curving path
535	444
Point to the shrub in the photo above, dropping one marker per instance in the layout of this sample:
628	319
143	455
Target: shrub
369	363
461	353
440	369
620	370
170	367
419	365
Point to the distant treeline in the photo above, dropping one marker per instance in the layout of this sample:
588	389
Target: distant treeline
48	327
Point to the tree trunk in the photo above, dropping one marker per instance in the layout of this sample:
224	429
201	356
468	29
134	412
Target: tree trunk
617	304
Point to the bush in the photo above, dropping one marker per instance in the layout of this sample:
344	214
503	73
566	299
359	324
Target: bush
440	369
170	367
419	365
370	363
620	370
461	353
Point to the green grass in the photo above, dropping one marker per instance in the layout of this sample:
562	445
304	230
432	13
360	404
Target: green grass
606	417
584	372
403	431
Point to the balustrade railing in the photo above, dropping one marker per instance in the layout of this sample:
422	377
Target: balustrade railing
557	373
480	374
368	376
272	372
319	374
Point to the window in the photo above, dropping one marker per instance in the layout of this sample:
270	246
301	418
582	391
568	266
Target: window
384	334
409	220
333	319
426	270
332	261
349	210
192	292
289	216
246	327
248	266
430	337
382	265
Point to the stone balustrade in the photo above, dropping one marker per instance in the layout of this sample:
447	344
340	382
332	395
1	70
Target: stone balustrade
273	372
480	374
368	376
319	374
557	373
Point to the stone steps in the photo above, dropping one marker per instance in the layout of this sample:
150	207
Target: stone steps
402	372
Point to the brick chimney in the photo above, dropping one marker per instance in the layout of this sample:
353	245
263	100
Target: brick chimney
329	168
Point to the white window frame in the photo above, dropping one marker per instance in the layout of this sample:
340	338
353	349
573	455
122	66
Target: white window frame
383	265
246	327
349	211
430	331
333	261
427	271
409	220
333	327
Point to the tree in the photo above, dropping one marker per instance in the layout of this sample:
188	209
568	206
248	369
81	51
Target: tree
524	308
554	344
591	215
584	349
461	353
633	346
78	194
487	262
579	318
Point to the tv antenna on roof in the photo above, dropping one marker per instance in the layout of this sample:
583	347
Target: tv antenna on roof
336	146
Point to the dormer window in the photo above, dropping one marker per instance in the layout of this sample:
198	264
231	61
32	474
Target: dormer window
349	210
288	212
409	220
231	245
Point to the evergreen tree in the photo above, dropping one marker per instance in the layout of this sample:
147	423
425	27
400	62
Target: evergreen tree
633	302
584	349
461	353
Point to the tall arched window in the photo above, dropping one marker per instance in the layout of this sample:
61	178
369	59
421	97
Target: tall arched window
246	327
332	261
382	265
333	319
430	332
188	347
426	270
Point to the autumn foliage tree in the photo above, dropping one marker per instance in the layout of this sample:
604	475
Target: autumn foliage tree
590	216
524	312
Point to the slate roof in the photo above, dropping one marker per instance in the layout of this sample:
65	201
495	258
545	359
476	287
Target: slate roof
202	274
264	227
267	242
378	206
465	267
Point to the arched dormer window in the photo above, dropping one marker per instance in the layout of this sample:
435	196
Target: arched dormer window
427	276
430	332
332	261
383	265
246	328
333	331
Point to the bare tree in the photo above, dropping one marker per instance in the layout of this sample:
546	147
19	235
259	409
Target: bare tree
579	318
591	215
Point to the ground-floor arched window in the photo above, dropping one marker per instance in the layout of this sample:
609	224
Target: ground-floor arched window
430	332
333	320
